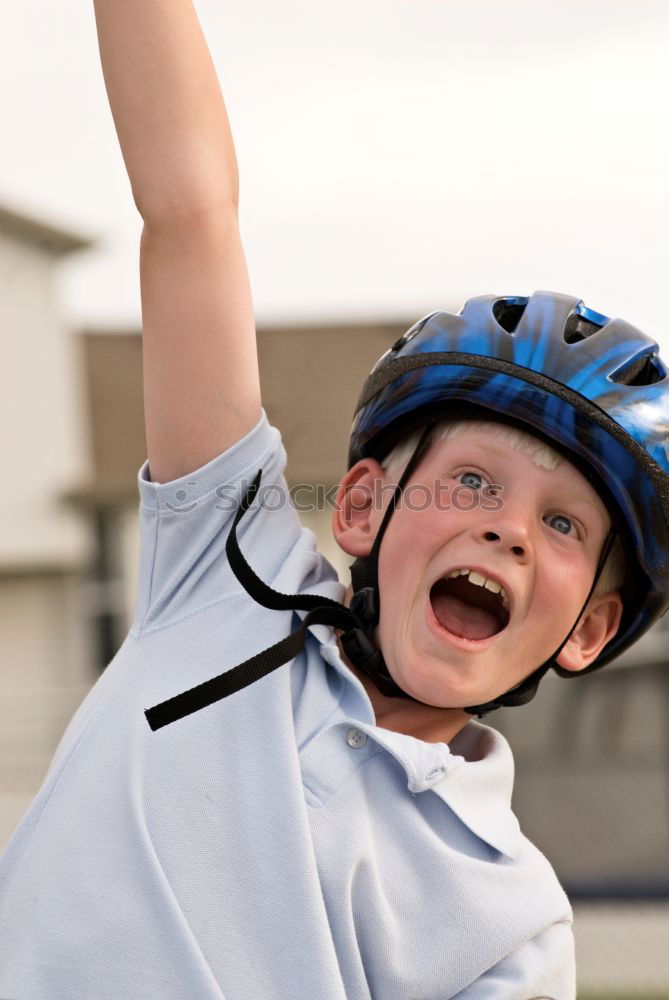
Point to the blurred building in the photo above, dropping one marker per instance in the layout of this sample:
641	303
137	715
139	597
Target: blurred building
45	546
592	755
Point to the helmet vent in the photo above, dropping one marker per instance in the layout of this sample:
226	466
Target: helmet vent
582	323
508	311
411	333
577	328
642	371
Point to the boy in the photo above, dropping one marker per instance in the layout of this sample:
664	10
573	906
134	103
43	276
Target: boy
324	819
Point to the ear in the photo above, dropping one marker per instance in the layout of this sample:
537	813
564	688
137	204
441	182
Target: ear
357	512
599	624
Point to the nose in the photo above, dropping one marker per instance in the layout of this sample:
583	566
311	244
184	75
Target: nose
511	535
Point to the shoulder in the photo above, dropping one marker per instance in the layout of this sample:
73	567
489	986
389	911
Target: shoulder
185	525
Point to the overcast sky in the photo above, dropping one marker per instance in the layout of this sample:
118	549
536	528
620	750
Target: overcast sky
395	157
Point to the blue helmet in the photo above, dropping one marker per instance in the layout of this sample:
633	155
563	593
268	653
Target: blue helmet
593	387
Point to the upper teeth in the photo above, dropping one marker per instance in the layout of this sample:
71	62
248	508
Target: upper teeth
482	581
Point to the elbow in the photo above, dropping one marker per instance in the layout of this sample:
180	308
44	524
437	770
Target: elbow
188	211
184	200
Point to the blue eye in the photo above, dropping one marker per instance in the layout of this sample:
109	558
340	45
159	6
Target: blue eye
473	486
565	520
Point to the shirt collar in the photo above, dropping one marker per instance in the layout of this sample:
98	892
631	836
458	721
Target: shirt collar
479	791
473	774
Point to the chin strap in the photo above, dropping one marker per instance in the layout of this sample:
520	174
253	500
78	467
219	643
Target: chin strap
526	690
365	601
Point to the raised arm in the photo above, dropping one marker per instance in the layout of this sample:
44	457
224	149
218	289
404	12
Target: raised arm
201	385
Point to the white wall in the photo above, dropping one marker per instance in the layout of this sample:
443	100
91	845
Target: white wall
42	417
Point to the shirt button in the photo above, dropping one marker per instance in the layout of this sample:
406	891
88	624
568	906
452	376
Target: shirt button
356	739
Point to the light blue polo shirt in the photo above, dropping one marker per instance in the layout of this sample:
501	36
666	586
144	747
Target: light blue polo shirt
277	844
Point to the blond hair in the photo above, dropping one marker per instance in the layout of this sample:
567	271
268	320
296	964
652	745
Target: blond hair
612	576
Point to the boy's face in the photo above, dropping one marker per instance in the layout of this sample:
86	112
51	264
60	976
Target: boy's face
539	535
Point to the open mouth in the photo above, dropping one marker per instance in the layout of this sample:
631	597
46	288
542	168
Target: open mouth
468	610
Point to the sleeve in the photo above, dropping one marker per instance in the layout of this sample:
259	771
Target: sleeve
184	526
543	968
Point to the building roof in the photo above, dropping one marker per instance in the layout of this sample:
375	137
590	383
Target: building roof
50	237
321	367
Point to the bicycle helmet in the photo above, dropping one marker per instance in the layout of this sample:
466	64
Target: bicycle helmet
595	388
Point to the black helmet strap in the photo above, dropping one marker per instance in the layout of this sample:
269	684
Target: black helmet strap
320	611
365	602
365	569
